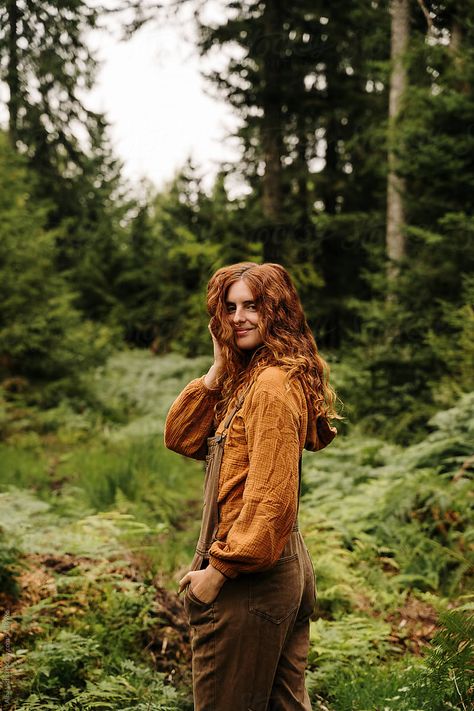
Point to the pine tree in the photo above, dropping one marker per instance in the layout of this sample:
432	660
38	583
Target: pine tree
48	68
306	93
48	63
46	348
400	29
415	347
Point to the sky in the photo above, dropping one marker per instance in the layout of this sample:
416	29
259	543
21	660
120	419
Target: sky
158	104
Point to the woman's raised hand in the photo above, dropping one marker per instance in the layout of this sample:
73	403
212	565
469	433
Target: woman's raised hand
218	360
217	367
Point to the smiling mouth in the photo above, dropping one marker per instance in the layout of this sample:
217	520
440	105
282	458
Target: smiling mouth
243	331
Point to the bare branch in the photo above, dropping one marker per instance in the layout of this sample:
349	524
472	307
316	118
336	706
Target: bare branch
427	15
139	6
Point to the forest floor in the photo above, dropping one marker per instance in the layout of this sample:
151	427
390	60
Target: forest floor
99	521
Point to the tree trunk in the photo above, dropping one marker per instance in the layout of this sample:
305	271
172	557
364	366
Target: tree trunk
12	71
272	193
460	80
456	37
302	231
395	239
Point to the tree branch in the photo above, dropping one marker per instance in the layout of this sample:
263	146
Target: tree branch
427	15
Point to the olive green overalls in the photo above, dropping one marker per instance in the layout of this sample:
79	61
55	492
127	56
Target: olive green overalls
250	646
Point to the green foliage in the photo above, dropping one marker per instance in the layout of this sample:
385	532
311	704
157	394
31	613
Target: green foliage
46	48
60	662
21	466
93	234
454	346
381	521
144	386
339	645
132	688
9	566
175	244
77	642
449	671
442	680
364	688
408	509
416	337
310	82
418	344
385	525
125	469
387	510
45	345
434	148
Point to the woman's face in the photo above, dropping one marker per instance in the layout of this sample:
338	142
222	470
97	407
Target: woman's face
243	315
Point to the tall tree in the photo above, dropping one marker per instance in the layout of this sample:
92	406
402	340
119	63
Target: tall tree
308	92
400	33
272	129
47	66
46	346
45	63
415	345
10	17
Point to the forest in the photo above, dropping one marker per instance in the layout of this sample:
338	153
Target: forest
355	172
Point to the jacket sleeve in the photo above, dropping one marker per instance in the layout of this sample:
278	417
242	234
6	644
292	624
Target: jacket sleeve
319	432
257	537
190	419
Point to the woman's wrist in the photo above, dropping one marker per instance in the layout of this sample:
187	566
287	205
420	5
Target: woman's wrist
211	378
216	576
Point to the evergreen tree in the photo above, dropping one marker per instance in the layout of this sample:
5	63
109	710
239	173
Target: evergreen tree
47	67
400	34
46	348
417	348
310	90
176	240
46	63
138	285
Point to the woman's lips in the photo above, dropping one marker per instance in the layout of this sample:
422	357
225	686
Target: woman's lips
243	331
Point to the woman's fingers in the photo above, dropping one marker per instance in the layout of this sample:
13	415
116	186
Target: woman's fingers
217	348
183	582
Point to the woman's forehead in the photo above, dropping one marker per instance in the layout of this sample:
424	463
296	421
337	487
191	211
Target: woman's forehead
239	291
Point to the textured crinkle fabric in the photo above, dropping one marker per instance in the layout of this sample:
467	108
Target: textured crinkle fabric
258	483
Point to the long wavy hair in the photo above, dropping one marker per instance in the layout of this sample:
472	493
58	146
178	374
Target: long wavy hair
287	339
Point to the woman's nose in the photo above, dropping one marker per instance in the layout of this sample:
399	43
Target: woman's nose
239	315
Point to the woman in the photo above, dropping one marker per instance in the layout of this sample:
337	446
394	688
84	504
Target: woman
251	588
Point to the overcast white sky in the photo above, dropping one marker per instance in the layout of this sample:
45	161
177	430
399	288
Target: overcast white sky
157	104
152	92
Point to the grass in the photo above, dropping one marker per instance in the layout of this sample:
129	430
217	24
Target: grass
98	521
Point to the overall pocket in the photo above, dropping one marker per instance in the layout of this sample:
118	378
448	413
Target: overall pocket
197	611
275	593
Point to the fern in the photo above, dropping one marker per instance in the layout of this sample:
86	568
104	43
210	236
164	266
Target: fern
450	661
132	688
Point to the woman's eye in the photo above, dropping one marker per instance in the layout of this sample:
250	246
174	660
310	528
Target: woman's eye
252	307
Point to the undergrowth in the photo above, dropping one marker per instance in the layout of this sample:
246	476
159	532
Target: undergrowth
98	522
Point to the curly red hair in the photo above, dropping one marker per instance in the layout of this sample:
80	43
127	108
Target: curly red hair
287	339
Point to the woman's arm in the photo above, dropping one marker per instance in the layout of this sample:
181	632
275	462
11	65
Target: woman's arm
270	499
190	419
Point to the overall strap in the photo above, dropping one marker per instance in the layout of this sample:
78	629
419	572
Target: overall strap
237	407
